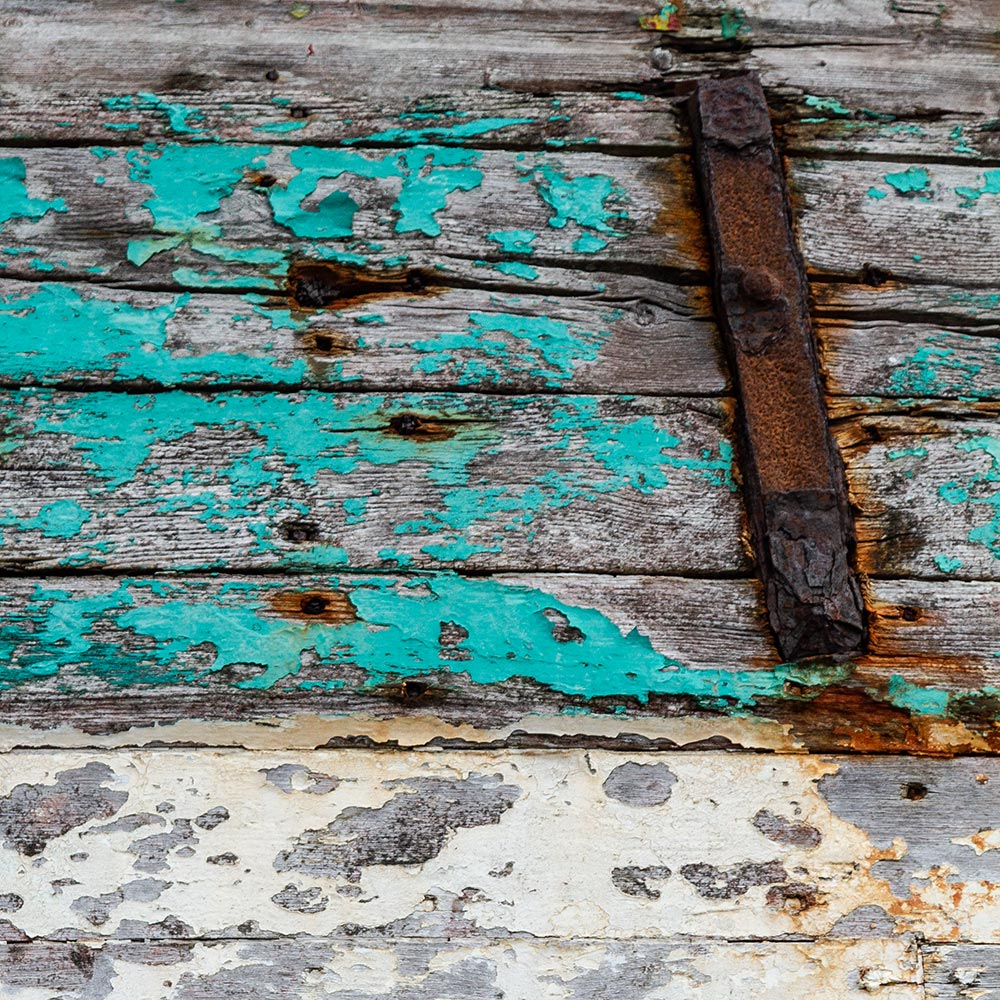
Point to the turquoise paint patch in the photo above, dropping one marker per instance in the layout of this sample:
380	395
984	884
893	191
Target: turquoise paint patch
981	492
913	180
874	192
513	240
517	270
55	332
947	564
936	369
629	95
61	519
830	104
503	347
15	202
429	174
292	125
588	243
179	116
733	23
436	134
991	185
917	452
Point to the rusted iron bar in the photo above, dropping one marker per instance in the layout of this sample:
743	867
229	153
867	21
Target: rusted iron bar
793	474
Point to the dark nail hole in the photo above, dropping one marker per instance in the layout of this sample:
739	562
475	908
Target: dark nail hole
323	342
300	531
266	180
406	423
271	74
414	689
314	287
910	614
415	281
875	276
299	112
314	605
914	791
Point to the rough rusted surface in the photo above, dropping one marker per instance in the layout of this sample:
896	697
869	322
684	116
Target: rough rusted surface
794	478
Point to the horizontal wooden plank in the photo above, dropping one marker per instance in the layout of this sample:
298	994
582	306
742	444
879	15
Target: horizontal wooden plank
961	972
925	492
364	969
239	215
385	337
189	844
302	481
415	659
380	210
879	296
638	336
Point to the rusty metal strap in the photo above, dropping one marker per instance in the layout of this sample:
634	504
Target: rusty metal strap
793	475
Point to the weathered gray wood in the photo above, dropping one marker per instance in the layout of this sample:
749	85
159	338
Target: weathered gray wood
359	968
961	972
189	844
533	659
244	215
613	212
884	298
235	480
925	492
383	338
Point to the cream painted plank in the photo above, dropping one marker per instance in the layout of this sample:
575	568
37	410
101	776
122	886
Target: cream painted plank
515	969
189	844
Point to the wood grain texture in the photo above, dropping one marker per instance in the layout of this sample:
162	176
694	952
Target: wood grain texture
380	210
364	969
311	480
525	660
188	845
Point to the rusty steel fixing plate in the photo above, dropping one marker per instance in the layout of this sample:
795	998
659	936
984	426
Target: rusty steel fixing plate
793	474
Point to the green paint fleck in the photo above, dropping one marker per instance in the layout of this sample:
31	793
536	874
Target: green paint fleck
629	95
830	104
292	125
937	369
991	185
874	192
179	116
517	270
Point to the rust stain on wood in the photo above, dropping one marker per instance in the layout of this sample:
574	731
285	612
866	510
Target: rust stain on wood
331	606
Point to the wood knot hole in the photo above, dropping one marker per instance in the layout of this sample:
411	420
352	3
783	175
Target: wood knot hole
406	423
313	604
914	791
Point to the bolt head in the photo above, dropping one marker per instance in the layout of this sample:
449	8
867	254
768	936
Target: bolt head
760	285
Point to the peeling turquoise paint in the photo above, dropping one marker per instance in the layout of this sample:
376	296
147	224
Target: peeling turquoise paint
503	347
189	182
629	95
961	146
733	23
981	492
465	130
176	114
517	269
830	104
55	332
913	180
874	192
935	369
429	174
513	240
61	519
991	185
281	128
947	564
15	202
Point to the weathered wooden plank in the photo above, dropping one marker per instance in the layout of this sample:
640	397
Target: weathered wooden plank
384	337
380	209
926	494
908	360
364	969
560	482
239	215
307	480
187	845
882	297
572	659
961	972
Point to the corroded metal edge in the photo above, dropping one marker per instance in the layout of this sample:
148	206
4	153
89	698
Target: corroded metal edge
794	476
